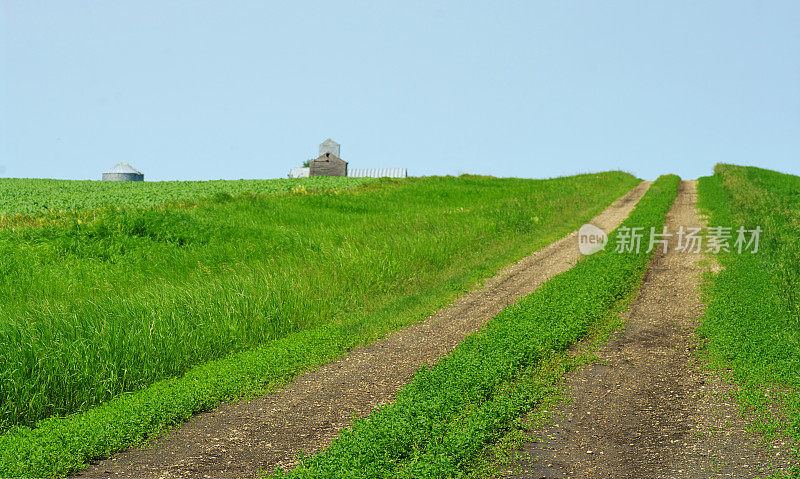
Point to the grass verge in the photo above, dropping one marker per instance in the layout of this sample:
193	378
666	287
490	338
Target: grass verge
751	327
445	417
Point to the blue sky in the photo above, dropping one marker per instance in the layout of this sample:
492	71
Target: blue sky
247	89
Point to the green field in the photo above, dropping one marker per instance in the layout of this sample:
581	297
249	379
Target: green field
127	308
183	306
34	196
752	323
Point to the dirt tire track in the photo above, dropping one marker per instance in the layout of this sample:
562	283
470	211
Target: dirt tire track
647	409
239	439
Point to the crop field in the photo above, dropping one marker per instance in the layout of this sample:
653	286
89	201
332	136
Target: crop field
35	196
752	323
116	322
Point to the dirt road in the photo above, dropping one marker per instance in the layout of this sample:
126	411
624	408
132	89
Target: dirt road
646	409
239	439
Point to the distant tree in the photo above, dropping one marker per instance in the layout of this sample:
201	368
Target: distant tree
307	163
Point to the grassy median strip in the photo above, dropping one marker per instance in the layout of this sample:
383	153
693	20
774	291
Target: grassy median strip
118	323
445	417
752	322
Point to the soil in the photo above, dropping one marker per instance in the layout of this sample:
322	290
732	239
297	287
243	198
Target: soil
647	408
239	439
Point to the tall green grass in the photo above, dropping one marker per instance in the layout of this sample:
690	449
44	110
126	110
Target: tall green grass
443	419
752	321
111	301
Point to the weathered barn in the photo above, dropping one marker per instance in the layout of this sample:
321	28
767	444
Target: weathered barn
328	164
123	172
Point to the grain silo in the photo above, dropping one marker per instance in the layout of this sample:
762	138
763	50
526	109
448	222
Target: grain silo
123	172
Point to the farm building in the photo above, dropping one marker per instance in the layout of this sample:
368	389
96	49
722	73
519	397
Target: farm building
327	164
330	163
330	146
356	173
123	172
302	172
377	173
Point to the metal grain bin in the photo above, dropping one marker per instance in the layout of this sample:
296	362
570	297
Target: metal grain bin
123	172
